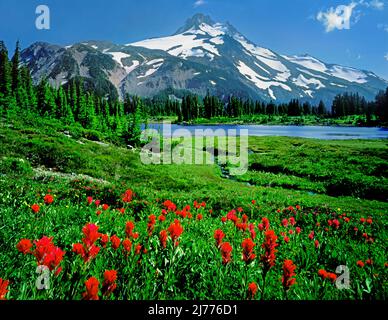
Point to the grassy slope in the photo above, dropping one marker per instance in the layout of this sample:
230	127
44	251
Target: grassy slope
44	144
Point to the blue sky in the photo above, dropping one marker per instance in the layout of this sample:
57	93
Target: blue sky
348	32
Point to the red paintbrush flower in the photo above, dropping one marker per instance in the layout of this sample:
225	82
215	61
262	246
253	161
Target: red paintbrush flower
269	246
288	274
91	234
163	238
151	224
48	199
175	230
89	200
127	196
47	253
129	229
252	290
91	292
104	240
199	216
35	208
252	231
3	288
169	205
24	246
115	240
127	244
360	264
226	251
248	255
109	284
218	236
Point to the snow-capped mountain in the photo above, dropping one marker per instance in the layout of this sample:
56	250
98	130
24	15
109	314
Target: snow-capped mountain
201	56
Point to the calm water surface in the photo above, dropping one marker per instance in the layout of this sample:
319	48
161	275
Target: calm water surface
317	132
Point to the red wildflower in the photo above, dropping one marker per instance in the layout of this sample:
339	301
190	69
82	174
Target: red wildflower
252	231
286	239
3	288
291	231
169	205
105	207
298	230
109	284
360	264
327	275
288	274
203	204
322	273
269	246
248	255
297	207
24	246
336	223
162	218
232	215
316	243
369	262
252	290
285	222
91	234
35	208
48	199
218	236
115	240
311	235
89	200
362	220
223	219
138	249
175	230
104	240
79	249
265	222
332	276
163	238
121	210
151	224
129	229
98	212
127	244
91	292
47	253
97	202
199	216
292	221
253	201
226	251
239	209
369	221
127	196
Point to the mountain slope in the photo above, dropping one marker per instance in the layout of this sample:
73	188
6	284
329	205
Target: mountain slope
201	56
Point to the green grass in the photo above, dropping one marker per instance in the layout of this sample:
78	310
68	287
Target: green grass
283	172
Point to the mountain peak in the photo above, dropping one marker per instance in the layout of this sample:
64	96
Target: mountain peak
195	21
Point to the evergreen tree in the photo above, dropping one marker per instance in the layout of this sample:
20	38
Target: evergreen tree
15	69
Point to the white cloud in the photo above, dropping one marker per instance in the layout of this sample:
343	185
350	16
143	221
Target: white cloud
337	18
383	26
198	3
375	4
386	56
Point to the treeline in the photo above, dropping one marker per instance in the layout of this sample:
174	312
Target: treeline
71	103
191	107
